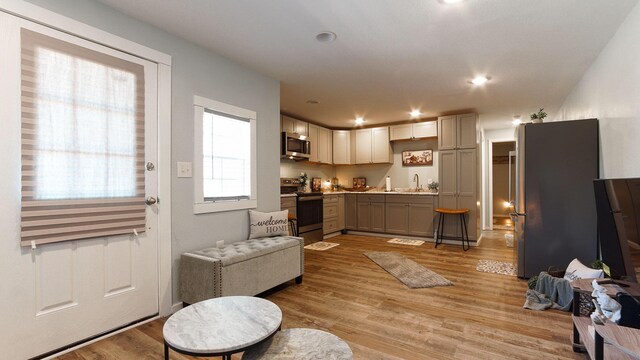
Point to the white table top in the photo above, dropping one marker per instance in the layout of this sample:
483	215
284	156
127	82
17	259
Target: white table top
224	324
307	344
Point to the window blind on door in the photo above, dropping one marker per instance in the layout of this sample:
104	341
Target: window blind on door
82	142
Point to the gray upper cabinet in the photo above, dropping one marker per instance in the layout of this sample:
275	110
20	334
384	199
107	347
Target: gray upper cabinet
313	141
447	137
458	173
467	131
457	132
342	147
325	146
419	130
321	144
363	146
373	146
291	125
401	132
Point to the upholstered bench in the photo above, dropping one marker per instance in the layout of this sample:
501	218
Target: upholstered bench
246	267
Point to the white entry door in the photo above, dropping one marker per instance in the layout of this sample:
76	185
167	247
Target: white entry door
61	293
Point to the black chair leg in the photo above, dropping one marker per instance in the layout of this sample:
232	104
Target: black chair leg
440	232
465	233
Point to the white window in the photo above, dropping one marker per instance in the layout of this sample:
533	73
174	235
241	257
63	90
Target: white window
224	157
83	128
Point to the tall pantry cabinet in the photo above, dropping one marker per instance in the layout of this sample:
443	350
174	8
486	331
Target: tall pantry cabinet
458	170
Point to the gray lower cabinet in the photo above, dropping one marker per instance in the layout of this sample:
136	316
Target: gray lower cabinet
351	211
421	220
370	213
397	219
458	189
333	213
409	215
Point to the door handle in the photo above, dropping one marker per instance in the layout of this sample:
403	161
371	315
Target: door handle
150	200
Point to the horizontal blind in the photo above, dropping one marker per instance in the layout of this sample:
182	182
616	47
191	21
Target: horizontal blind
82	142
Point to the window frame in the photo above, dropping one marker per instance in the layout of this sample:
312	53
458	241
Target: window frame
200	205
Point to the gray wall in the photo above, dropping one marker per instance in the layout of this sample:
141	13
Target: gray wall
610	91
197	71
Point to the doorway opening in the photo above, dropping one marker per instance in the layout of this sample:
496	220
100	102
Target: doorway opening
503	186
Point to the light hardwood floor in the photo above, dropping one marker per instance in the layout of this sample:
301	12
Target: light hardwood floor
343	292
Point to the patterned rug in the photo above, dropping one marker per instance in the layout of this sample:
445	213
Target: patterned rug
407	271
406	242
321	246
496	267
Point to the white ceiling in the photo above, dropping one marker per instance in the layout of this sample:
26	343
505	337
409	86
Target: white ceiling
394	55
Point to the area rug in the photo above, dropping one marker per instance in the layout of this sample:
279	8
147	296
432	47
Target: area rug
406	242
496	267
321	246
407	271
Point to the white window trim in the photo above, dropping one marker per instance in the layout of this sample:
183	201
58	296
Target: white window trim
199	205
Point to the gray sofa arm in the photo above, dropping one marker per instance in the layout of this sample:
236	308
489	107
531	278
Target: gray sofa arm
200	278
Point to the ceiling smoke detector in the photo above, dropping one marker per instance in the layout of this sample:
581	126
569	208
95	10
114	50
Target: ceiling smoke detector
326	36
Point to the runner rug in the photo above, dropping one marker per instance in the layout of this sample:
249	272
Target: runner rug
407	271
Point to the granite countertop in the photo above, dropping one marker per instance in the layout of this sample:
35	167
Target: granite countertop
421	193
287	195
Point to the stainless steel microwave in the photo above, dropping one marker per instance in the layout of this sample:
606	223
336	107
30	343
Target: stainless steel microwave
295	146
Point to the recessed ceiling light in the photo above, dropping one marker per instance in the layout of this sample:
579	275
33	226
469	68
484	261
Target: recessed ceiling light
516	120
451	1
359	120
312	102
326	36
415	113
479	80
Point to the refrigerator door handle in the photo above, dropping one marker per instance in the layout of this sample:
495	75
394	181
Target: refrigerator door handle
512	200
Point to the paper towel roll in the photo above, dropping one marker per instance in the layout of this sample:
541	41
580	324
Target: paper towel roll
388	184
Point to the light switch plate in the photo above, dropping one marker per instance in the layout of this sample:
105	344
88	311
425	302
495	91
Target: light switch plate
184	169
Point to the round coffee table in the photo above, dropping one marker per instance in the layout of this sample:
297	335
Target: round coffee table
221	326
301	344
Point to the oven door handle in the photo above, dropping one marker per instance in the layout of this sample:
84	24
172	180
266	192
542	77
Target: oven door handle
310	198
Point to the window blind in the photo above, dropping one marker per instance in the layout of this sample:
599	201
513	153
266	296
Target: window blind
82	142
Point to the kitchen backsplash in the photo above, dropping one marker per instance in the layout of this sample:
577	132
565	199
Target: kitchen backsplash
401	176
292	169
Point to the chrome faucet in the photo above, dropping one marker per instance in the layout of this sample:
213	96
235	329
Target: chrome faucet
416	179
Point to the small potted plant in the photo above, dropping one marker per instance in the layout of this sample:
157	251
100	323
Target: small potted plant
433	186
303	182
538	117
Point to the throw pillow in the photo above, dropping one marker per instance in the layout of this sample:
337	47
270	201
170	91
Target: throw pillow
268	224
577	270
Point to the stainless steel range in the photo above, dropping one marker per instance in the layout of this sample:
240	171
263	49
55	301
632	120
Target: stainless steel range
309	210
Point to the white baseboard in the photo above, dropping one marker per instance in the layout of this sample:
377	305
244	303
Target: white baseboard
65	351
175	307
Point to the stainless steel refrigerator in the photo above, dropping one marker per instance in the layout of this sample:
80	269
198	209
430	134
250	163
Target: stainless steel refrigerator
555	214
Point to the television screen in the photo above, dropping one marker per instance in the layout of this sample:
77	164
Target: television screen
618	208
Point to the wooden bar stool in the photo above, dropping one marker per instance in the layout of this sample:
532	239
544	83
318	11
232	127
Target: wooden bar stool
463	226
292	224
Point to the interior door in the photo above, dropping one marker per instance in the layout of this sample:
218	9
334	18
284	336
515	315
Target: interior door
62	293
